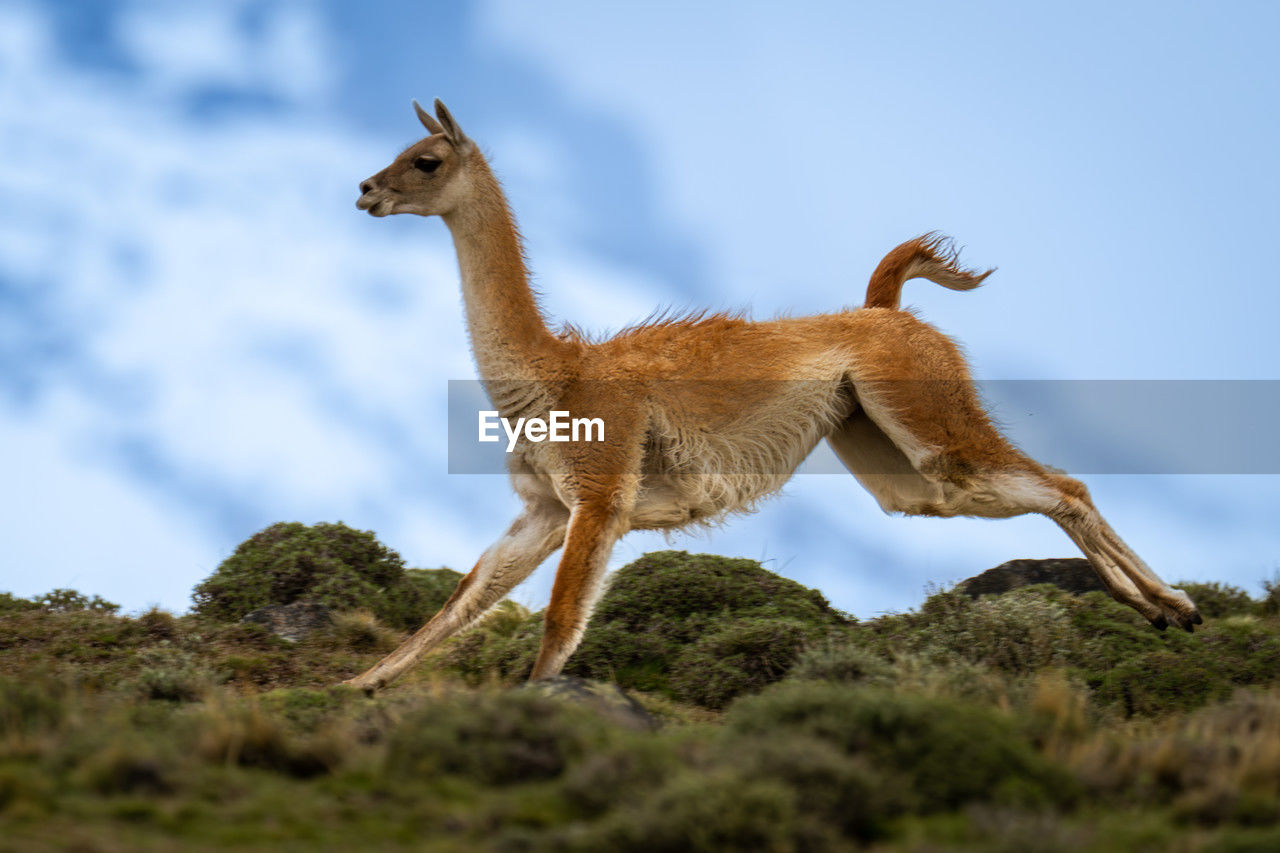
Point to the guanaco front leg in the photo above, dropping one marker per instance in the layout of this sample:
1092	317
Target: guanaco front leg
532	537
595	527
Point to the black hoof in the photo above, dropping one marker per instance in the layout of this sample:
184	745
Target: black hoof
1197	619
1160	623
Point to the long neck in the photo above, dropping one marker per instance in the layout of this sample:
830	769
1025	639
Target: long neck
507	329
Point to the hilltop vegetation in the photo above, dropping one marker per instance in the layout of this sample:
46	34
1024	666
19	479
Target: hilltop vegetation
1032	720
329	564
695	628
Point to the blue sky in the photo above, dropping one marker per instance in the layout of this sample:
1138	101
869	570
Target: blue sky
200	335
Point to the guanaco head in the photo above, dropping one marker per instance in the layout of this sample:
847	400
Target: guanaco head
429	177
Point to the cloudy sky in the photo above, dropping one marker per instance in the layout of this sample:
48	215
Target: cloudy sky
200	335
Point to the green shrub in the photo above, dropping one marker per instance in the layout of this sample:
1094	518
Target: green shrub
1148	672
950	752
698	628
503	646
1130	666
1160	682
703	813
1217	600
1218	764
1244	649
1016	632
496	739
848	660
638	656
160	625
842	660
243	734
29	708
329	564
679	585
406	606
1110	632
68	600
956	679
10	603
743	656
833	789
1184	672
172	674
128	765
620	771
360	631
307	709
1270	605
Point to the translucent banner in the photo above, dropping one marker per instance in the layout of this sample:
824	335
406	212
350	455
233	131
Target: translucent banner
1079	426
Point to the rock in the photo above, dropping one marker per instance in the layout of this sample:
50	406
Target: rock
1073	574
292	621
608	700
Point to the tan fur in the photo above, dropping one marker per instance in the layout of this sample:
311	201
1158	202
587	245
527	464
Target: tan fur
706	415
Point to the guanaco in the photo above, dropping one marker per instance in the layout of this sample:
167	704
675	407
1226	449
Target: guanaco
707	414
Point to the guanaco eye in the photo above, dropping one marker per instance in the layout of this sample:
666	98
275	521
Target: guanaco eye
426	164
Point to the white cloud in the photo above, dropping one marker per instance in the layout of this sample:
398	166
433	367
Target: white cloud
188	46
233	318
220	274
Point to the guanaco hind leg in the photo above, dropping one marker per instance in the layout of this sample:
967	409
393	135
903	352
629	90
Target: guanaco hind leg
919	464
532	537
1090	531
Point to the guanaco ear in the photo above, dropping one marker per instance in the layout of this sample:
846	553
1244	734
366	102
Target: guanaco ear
428	121
451	130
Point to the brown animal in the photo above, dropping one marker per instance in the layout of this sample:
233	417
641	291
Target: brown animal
706	415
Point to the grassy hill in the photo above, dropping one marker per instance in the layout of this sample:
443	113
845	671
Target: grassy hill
1035	720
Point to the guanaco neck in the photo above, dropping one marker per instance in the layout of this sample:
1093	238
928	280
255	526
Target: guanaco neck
509	336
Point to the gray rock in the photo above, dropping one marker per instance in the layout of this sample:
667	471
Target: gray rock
1073	574
608	700
292	621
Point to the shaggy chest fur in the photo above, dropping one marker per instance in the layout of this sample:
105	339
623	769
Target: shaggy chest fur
749	441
